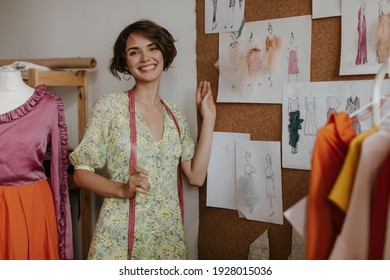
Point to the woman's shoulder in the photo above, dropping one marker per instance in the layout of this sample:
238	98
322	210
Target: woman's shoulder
112	99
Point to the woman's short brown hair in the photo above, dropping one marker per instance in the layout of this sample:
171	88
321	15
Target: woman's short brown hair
156	33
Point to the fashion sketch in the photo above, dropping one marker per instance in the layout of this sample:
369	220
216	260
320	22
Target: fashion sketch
294	121
292	66
224	16
361	42
353	104
383	31
273	44
269	184
247	196
235	60
332	102
310	124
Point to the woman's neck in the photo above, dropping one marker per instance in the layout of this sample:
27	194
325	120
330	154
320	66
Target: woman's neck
147	93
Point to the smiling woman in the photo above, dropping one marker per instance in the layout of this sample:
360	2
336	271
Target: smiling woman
145	144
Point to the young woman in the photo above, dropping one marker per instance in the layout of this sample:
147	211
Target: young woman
141	139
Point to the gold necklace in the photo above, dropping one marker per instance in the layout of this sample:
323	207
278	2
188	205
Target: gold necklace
149	106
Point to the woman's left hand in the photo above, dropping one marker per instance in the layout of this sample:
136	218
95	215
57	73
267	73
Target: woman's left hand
205	102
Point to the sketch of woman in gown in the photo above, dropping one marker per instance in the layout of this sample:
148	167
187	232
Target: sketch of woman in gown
269	183
247	196
295	121
361	56
235	59
310	124
383	31
273	44
292	68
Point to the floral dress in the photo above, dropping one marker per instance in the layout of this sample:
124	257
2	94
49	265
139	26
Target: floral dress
159	232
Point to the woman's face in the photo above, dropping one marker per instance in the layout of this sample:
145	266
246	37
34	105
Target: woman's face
143	58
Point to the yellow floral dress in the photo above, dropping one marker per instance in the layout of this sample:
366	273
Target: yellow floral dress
159	232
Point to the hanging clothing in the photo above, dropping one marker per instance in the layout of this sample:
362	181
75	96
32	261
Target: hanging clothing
158	223
323	218
352	242
378	216
26	201
341	191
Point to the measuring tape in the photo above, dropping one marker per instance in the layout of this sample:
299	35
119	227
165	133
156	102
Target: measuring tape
133	165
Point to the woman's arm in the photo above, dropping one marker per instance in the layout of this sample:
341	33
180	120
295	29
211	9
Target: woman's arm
195	169
102	186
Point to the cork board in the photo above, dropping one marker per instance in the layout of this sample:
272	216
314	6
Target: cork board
222	234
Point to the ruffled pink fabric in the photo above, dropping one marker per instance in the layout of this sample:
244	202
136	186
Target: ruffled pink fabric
59	157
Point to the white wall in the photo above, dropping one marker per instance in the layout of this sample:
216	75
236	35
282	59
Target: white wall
88	28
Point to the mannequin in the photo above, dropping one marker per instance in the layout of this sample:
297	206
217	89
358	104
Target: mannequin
35	218
13	90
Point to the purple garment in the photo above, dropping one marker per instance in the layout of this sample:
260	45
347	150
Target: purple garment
26	133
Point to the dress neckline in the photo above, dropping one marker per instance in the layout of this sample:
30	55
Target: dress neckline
25	108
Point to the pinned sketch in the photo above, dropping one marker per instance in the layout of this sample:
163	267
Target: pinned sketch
258	181
221	174
255	65
326	8
224	15
308	106
365	39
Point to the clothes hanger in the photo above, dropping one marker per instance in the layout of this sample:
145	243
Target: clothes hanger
376	99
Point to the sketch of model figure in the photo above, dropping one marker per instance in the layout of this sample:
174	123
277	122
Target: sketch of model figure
228	171
333	102
235	60
214	14
361	42
269	183
353	104
252	66
273	44
230	14
247	196
383	31
295	121
292	68
310	125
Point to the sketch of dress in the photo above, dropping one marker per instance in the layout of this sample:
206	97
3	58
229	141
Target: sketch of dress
295	123
361	56
333	103
383	31
310	124
292	67
247	196
214	14
353	104
269	183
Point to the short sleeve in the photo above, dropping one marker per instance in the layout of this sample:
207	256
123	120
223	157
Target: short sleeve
91	153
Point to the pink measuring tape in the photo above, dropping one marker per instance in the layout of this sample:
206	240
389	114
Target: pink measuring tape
133	165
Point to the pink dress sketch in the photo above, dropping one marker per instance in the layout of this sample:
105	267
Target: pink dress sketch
292	68
361	56
383	32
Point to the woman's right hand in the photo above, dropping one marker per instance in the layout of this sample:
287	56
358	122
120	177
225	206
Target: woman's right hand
138	182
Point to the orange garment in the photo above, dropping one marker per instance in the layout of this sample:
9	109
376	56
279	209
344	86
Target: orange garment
324	219
28	227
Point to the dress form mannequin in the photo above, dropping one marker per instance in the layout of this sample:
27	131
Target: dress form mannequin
13	90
